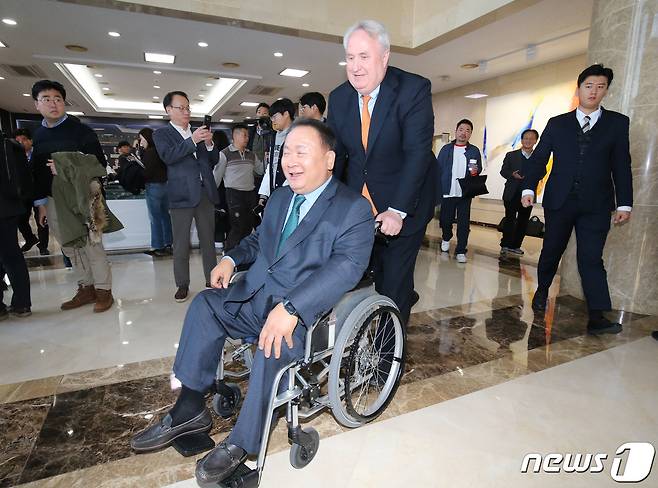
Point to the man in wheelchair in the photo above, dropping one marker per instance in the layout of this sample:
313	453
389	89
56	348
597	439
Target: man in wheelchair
312	247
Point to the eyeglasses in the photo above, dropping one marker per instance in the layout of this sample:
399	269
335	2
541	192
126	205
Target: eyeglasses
56	100
182	109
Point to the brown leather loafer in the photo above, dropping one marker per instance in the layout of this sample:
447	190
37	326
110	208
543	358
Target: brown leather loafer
104	300
84	296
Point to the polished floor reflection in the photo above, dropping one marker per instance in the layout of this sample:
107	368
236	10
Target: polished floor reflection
66	413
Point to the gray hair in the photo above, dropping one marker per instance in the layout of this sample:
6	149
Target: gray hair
374	29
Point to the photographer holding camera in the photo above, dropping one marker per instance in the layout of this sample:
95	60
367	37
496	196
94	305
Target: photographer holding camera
283	114
260	140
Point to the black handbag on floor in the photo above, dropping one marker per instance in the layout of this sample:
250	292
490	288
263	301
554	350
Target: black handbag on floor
535	227
472	186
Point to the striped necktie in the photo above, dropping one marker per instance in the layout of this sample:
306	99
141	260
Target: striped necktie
586	124
292	222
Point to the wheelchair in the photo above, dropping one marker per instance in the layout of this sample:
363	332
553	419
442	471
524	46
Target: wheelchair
352	364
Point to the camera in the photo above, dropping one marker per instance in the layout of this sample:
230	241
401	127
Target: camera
265	125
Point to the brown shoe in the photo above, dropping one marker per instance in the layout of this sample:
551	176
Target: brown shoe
85	295
104	300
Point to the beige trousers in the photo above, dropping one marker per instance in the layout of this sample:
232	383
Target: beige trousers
90	263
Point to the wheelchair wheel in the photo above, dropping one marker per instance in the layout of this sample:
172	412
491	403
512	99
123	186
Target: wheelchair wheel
367	362
225	406
301	456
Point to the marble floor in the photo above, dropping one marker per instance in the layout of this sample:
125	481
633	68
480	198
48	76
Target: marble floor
75	386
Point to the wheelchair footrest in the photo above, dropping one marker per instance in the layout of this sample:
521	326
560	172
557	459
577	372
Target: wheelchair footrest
190	445
243	477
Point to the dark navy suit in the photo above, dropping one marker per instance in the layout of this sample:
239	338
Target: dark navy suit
192	195
398	167
323	259
585	181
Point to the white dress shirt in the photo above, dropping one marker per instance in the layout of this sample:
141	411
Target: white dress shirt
593	119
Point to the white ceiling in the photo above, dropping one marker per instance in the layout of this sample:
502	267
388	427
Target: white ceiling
45	27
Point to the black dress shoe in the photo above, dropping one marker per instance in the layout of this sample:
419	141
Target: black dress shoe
539	300
163	433
654	334
603	326
220	463
181	294
414	297
29	244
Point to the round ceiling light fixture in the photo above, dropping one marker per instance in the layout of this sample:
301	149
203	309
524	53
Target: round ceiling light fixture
231	64
469	66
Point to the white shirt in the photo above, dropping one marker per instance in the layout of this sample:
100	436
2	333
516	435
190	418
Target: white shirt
371	107
458	171
593	119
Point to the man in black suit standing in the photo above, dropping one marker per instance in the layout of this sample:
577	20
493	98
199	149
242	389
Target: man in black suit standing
591	177
516	215
384	122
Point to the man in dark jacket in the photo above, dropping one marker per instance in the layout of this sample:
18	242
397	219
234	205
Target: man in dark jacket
60	132
516	215
12	209
591	178
457	159
384	122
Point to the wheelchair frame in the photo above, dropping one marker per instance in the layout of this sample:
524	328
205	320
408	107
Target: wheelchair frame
302	396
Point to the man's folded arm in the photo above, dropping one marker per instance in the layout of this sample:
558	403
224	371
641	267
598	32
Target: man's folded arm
342	271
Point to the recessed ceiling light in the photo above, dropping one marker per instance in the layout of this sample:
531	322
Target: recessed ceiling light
305	85
2	77
113	34
342	63
156	72
201	95
469	66
26	94
231	64
208	84
476	95
156	117
155	97
2	44
278	55
108	94
248	117
294	73
202	44
76	48
249	104
105	88
98	75
159	58
156	86
227	121
75	113
9	21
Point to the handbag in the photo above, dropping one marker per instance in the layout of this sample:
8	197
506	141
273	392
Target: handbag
535	227
472	186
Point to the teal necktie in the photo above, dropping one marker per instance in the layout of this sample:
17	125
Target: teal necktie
292	223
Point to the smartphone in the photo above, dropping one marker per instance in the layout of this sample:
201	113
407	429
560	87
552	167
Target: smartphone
206	121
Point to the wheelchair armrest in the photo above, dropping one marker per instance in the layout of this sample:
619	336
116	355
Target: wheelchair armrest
237	276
